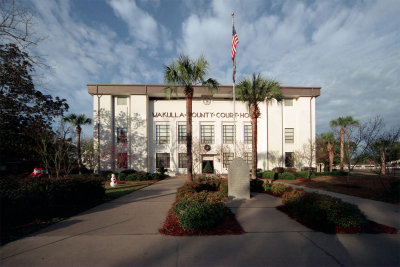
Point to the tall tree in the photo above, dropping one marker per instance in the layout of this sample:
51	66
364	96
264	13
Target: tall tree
343	123
77	121
187	73
326	146
23	109
255	90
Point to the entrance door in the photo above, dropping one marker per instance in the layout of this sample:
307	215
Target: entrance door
211	162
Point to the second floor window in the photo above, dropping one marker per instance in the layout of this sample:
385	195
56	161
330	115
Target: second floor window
162	134
289	135
182	134
247	134
207	134
228	134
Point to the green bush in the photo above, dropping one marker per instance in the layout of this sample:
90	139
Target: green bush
304	174
223	187
201	215
256	185
267	187
316	210
291	170
268	174
286	175
280	188
42	198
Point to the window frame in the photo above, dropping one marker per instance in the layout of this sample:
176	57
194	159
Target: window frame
227	158
204	138
159	159
289	159
182	160
120	102
246	137
122	160
289	135
122	137
182	138
228	139
167	135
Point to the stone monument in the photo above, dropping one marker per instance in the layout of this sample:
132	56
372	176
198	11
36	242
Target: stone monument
239	179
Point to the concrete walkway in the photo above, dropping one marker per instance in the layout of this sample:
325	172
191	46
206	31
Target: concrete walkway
380	212
124	232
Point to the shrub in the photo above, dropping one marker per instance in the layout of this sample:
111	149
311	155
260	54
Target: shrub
256	185
162	171
316	210
267	187
129	171
278	170
334	173
280	188
286	175
304	174
259	173
268	174
43	198
291	170
201	215
223	187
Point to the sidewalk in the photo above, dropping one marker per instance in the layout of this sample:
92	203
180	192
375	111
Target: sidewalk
124	232
380	212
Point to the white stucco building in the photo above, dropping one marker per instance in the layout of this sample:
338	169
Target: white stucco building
137	127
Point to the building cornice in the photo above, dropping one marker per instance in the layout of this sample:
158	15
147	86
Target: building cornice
157	90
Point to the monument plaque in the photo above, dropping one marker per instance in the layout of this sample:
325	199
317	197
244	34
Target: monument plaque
239	179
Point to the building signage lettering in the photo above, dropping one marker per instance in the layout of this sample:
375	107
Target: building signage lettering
200	115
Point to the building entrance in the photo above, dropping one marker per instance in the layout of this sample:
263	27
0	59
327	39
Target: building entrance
207	160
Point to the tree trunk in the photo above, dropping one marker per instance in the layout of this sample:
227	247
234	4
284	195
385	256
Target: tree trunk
330	151
383	163
254	144
189	158
78	131
341	148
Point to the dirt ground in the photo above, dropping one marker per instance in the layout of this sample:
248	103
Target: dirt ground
368	186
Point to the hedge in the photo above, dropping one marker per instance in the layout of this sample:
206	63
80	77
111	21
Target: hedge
23	201
200	204
334	173
316	210
304	174
268	174
286	175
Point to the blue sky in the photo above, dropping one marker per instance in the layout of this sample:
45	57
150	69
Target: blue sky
349	48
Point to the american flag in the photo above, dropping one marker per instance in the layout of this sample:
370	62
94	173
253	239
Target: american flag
235	41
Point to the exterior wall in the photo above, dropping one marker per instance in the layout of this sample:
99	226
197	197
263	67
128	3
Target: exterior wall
140	115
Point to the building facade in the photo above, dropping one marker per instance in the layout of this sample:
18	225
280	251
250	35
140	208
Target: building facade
137	127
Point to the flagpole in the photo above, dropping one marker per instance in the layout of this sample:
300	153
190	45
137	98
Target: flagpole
234	100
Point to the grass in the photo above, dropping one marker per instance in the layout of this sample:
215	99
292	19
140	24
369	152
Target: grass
126	188
111	194
365	186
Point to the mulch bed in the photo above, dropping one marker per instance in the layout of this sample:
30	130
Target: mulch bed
370	228
229	226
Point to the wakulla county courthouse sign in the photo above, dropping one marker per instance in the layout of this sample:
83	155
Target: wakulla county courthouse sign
200	115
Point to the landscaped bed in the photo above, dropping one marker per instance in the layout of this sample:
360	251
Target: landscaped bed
324	213
200	210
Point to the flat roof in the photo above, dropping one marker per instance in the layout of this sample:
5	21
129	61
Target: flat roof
157	90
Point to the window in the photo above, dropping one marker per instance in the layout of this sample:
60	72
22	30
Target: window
289	160
288	102
228	132
182	134
122	100
162	134
207	134
162	160
248	158
289	135
228	157
122	160
247	134
121	135
182	163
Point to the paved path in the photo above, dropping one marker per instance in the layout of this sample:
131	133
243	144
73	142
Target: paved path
124	232
380	212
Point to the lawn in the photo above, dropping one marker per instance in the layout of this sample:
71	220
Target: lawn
126	188
365	186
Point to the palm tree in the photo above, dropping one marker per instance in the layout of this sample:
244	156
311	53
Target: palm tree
343	123
188	73
254	91
329	140
77	120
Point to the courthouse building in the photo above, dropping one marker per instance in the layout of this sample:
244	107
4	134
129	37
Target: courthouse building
137	127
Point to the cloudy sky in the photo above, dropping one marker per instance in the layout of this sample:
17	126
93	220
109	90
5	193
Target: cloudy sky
349	48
